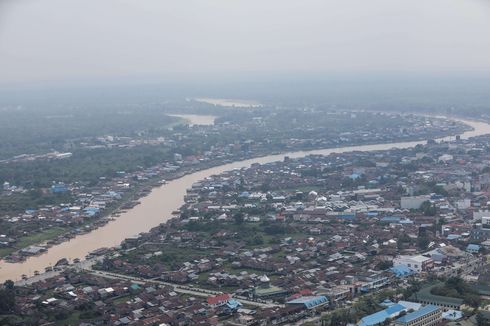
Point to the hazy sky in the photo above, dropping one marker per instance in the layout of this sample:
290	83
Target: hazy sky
46	40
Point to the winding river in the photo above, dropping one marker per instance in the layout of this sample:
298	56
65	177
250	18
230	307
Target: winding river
157	207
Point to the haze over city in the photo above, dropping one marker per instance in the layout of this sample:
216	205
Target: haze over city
255	163
58	41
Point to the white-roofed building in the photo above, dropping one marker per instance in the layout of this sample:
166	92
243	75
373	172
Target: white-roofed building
416	263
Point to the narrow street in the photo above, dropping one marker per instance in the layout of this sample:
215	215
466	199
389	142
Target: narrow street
198	292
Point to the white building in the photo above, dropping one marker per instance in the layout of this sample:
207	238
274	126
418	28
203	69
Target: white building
63	155
485	221
463	203
478	215
413	202
445	158
416	263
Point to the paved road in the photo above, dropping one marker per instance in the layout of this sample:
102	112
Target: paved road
83	265
198	292
86	265
37	278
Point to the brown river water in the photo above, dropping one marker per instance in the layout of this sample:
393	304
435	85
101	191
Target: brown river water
157	207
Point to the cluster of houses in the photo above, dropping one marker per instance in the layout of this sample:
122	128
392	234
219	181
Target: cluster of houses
33	157
406	313
337	227
86	209
286	241
89	300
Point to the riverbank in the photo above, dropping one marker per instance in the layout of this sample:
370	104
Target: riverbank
230	103
130	196
195	119
157	207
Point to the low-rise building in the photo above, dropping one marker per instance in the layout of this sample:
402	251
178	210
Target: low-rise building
310	302
413	202
425	296
425	316
380	317
417	263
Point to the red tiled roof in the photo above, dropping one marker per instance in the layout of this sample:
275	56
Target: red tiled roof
219	298
305	292
301	293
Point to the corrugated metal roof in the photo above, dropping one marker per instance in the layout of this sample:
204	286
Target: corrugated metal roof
380	316
417	314
310	302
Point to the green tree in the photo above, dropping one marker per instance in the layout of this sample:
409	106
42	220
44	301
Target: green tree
9	284
384	265
7	298
339	317
472	299
481	320
428	208
238	218
258	240
423	242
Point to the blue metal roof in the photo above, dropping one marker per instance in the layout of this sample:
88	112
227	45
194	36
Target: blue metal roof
59	187
354	176
396	308
452	315
91	209
380	316
417	314
391	219
453	236
387	303
406	221
401	270
310	302
347	216
233	304
473	247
